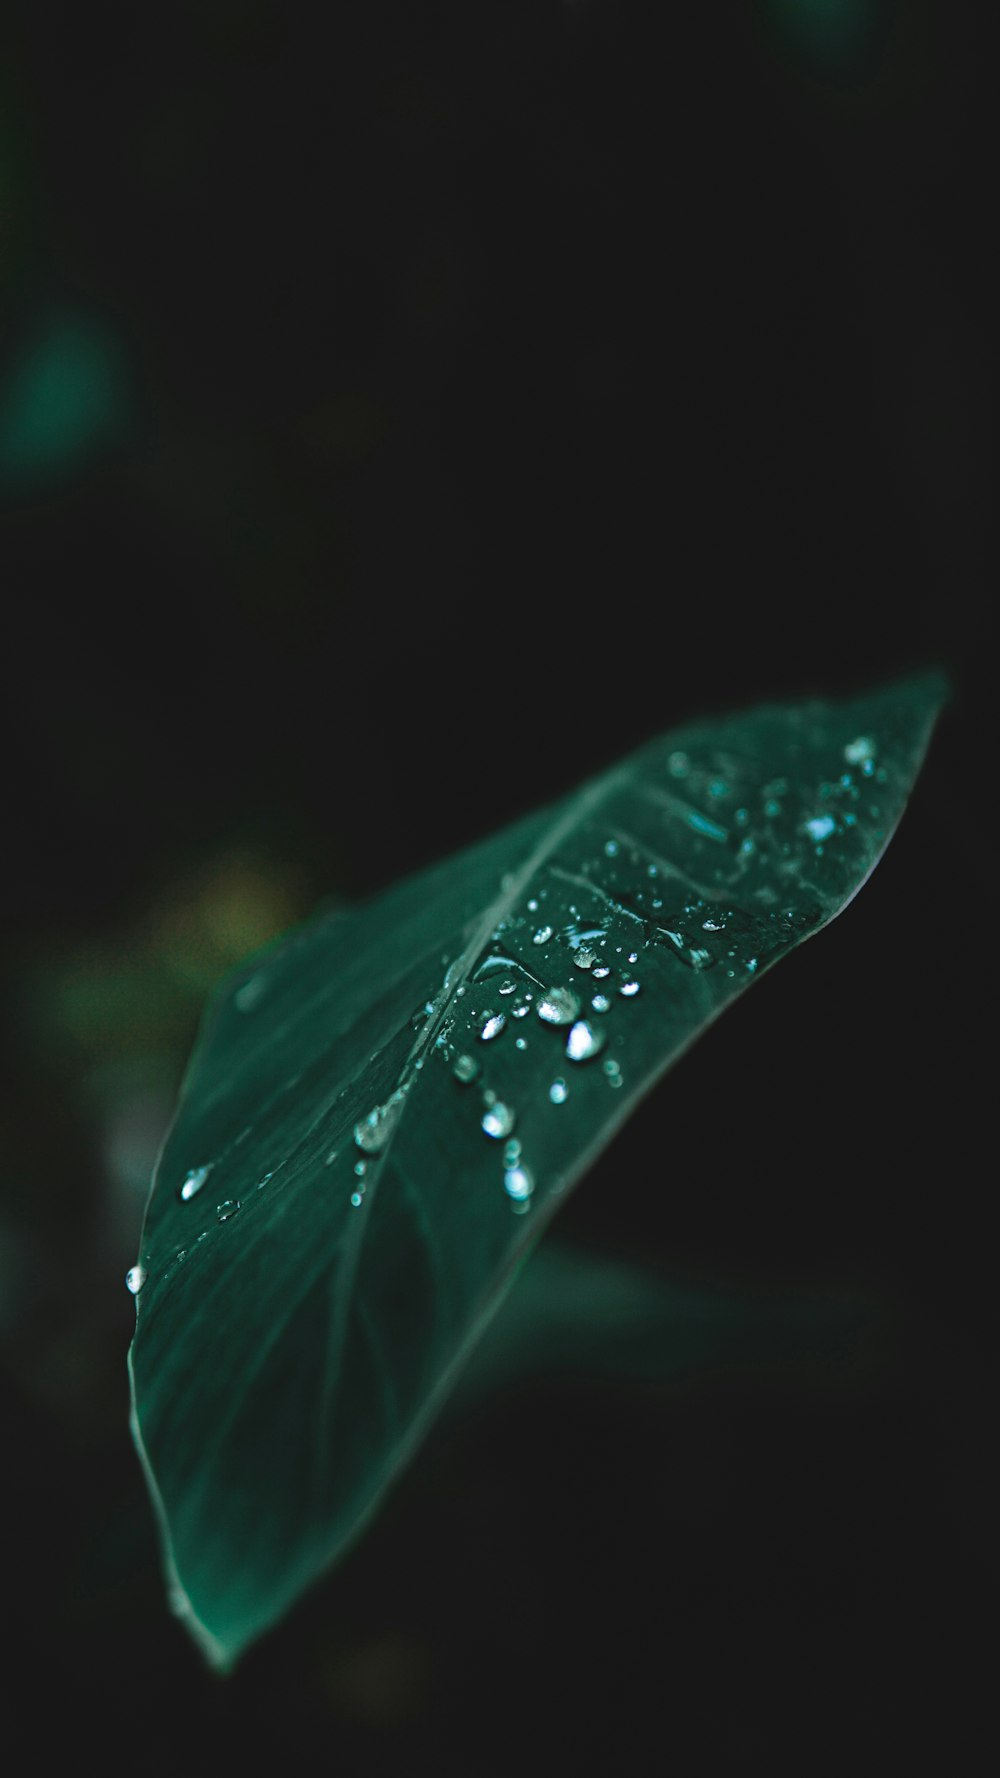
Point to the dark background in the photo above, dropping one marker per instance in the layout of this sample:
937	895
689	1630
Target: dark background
404	410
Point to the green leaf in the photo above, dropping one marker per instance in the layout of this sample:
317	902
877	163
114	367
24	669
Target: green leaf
385	1111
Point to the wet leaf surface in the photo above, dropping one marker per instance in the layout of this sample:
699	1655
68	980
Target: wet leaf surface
383	1114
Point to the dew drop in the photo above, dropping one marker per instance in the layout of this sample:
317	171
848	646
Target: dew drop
678	765
466	1068
361	1168
518	1183
856	752
357	1199
629	989
495	1023
507	986
194	1181
135	1278
601	972
372	1132
584	959
820	828
520	1012
713	925
559	1092
512	1152
772	807
228	1208
499	1120
601	1003
585	1040
520	1043
611	848
542	936
532	906
633	956
558	1006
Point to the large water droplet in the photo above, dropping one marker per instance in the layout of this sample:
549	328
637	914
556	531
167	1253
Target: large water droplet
466	1068
194	1181
558	1006
585	1040
499	1120
135	1278
518	1183
542	936
584	959
495	1023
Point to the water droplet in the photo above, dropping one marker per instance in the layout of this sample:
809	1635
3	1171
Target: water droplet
633	956
629	989
361	1168
584	959
135	1278
507	986
466	1068
856	752
372	1132
542	936
499	1120
613	1072
713	925
495	1023
195	1180
512	1152
601	1003
357	1199
601	972
558	1006
520	1012
868	768
229	1207
520	1043
532	906
611	848
518	1183
246	998
559	1092
678	765
585	1040
772	807
751	964
820	828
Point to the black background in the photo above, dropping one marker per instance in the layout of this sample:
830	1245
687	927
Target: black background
506	383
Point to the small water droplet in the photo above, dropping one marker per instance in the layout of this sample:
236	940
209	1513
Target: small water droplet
613	1072
499	1120
611	848
507	986
633	956
678	765
361	1168
518	1183
601	971
246	998
512	1152
772	807
532	906
585	1040
466	1068
520	1043
495	1023
357	1199
584	959
520	1012
135	1278
558	1006
856	752
601	1003
372	1132
229	1207
559	1092
194	1181
820	828
542	936
629	989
